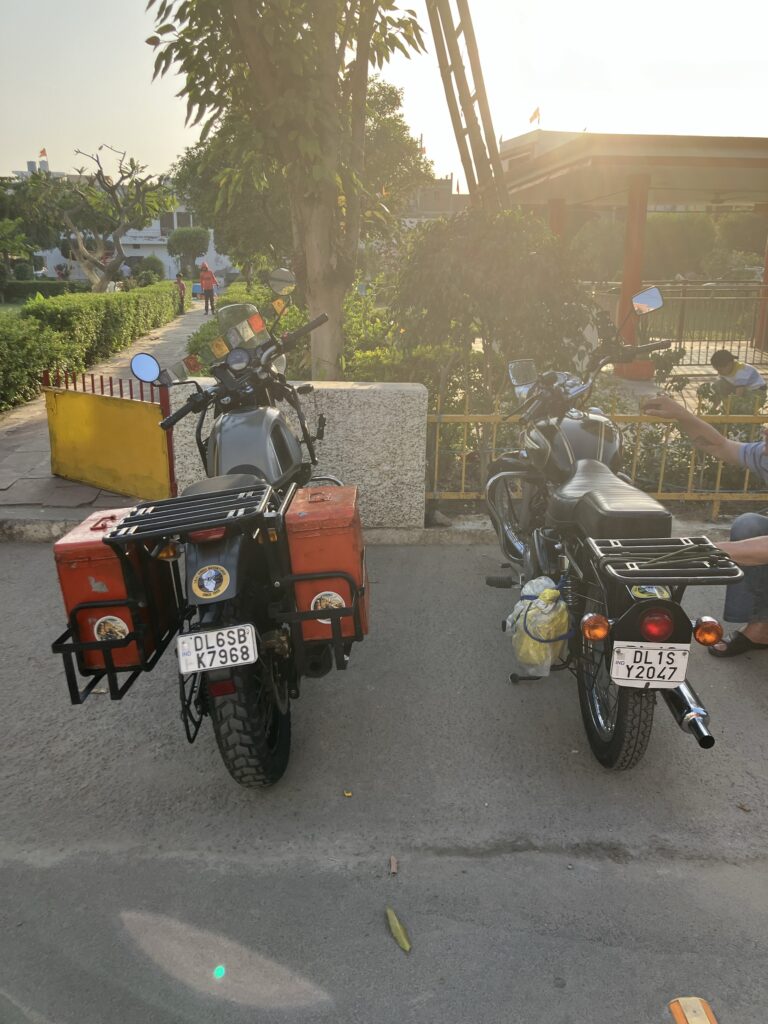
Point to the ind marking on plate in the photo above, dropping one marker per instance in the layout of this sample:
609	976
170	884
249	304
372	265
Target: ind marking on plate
649	665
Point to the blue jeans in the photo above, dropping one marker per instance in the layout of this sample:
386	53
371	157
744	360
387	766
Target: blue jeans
747	600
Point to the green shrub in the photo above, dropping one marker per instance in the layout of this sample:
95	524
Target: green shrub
23	272
146	278
20	291
103	323
26	351
151	263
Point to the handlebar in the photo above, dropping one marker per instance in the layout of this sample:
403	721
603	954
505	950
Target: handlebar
173	419
290	338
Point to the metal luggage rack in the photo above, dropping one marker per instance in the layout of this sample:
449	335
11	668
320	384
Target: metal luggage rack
236	508
686	561
71	648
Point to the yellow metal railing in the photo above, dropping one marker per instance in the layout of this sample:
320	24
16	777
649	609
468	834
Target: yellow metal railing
456	466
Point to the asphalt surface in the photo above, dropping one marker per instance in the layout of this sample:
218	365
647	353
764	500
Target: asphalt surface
535	886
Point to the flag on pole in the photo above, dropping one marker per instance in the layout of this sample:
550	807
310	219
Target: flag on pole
535	116
43	152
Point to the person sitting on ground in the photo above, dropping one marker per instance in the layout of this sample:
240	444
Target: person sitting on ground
181	288
735	378
207	283
747	600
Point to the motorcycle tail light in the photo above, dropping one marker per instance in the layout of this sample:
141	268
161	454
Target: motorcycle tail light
707	631
595	627
201	536
221	688
657	625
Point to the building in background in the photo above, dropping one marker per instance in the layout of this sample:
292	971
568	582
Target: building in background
151	240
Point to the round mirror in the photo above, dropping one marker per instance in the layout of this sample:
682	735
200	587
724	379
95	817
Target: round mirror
145	367
282	281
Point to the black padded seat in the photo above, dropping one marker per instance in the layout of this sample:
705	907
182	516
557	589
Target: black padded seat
604	506
228	482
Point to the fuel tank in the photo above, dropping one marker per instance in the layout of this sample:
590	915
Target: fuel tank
256	441
556	445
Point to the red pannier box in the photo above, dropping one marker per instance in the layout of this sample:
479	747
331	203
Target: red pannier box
89	570
325	535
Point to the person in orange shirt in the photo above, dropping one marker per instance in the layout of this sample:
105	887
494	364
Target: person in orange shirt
207	283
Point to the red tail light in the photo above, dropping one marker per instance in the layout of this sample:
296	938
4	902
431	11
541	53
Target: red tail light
657	625
221	688
200	536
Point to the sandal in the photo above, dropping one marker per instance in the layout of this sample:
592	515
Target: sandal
736	643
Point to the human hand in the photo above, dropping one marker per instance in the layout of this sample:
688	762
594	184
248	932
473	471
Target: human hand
661	405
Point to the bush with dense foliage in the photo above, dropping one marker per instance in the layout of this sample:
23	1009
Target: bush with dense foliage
26	351
151	263
20	291
23	271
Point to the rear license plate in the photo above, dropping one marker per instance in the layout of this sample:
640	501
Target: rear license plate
217	648
657	666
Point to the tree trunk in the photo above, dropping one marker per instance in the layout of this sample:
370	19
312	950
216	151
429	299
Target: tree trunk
326	280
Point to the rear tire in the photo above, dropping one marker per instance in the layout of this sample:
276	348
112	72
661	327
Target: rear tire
617	719
252	732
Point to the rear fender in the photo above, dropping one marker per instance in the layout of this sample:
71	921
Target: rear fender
224	559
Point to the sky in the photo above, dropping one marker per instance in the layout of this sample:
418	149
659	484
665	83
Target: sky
78	73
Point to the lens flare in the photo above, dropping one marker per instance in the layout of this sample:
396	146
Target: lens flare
219	972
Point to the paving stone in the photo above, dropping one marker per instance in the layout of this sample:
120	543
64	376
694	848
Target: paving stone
23	461
72	495
7	478
29	492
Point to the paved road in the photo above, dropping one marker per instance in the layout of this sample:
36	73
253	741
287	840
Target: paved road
535	886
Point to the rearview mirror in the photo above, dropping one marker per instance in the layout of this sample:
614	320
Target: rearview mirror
145	367
647	301
522	371
282	281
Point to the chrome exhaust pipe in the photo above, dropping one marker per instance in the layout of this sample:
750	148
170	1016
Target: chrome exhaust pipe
690	714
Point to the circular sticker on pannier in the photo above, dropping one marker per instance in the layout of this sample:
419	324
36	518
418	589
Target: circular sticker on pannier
110	627
326	599
210	581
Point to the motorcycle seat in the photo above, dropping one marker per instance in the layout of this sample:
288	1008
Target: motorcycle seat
227	482
601	505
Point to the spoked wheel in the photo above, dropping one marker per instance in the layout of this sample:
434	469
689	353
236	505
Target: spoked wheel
253	724
508	503
618	719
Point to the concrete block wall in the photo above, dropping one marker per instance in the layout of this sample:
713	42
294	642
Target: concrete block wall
375	438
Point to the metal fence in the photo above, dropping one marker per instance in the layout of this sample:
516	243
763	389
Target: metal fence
461	446
704	317
101	384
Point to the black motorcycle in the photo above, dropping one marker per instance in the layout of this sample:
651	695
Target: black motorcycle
562	508
259	567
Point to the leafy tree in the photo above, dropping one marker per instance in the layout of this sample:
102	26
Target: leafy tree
298	72
747	232
598	248
483	289
13	241
677	243
188	244
94	210
151	263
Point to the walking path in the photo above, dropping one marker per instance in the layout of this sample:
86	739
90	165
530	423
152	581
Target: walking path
28	489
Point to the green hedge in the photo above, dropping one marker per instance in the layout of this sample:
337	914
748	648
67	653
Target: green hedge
26	350
101	324
20	291
71	332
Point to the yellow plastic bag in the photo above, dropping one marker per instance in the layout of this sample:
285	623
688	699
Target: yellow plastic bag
539	627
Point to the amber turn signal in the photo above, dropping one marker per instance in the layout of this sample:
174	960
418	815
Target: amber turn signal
595	627
169	552
707	631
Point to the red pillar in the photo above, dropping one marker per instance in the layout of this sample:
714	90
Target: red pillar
632	282
558	216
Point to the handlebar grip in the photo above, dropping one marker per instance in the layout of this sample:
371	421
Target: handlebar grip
174	418
289	340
